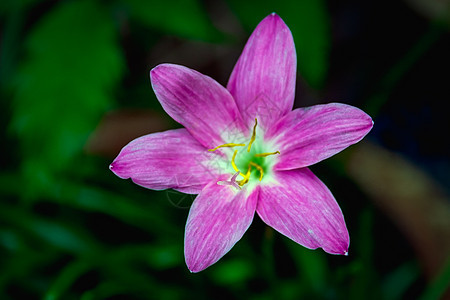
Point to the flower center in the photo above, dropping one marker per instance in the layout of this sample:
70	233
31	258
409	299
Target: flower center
249	162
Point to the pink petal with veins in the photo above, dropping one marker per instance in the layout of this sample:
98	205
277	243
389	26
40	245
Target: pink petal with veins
169	159
197	102
218	218
263	79
306	136
302	208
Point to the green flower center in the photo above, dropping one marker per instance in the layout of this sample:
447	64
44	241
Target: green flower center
250	165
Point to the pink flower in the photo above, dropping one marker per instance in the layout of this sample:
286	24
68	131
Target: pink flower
244	149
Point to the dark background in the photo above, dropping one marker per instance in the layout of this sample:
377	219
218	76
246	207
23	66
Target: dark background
74	89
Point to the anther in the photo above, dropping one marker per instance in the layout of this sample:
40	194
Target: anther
259	168
253	136
266	154
226	145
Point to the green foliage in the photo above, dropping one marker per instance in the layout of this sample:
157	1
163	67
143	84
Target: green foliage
184	18
9	6
440	285
313	264
233	272
64	85
309	23
396	284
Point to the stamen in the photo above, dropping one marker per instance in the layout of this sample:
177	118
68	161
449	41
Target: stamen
259	168
246	177
226	145
234	164
266	154
253	136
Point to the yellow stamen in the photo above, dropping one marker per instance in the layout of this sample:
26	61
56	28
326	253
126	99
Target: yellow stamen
246	177
253	136
259	168
266	154
234	164
226	145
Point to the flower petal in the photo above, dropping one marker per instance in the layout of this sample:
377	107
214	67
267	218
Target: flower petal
263	80
306	136
198	102
302	208
218	218
170	159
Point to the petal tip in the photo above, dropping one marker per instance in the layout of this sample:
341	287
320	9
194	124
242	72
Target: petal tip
336	251
153	71
369	125
113	167
194	267
117	170
159	68
194	270
191	269
273	17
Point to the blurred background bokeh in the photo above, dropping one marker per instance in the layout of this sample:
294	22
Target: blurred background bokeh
74	89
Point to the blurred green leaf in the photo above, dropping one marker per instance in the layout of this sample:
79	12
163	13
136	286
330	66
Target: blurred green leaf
132	276
439	285
66	277
165	256
63	87
8	6
309	23
105	290
53	232
366	279
233	272
398	282
9	45
185	18
150	217
24	265
311	264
